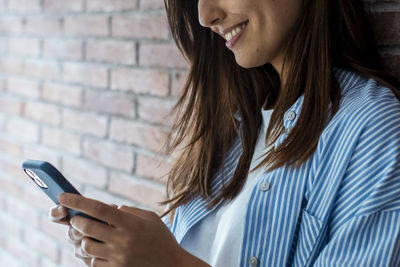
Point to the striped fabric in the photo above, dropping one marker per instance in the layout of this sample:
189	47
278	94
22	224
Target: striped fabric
342	206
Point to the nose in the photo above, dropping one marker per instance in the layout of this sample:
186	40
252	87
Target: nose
209	12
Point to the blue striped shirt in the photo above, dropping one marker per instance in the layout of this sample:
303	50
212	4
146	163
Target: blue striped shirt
342	206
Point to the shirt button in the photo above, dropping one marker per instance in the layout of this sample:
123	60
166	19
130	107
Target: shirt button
291	116
253	261
264	186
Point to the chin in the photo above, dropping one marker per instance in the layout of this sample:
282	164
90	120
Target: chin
248	62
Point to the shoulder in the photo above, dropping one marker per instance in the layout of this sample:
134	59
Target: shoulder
368	112
367	100
364	104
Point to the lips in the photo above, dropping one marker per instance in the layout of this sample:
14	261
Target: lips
234	33
229	29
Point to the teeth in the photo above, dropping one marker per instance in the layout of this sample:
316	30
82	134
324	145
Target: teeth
234	32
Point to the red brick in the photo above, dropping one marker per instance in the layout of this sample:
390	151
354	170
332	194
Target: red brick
42	243
152	167
95	25
43	26
119	52
84	171
24	47
386	26
62	49
10	105
109	154
84	122
109	102
156	110
62	140
152	4
41	112
144	136
23	130
62	94
25	254
140	81
57	6
161	55
10	147
11	25
24	5
11	66
42	69
178	82
111	5
145	193
144	26
21	87
89	75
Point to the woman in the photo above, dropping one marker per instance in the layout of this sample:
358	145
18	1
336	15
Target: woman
295	135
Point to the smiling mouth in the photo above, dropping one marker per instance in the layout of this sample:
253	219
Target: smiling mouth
235	31
234	34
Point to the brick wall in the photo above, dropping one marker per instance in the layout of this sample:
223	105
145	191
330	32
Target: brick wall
86	84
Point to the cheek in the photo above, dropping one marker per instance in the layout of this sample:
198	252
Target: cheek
269	32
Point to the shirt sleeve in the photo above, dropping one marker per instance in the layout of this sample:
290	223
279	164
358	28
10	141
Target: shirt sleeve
364	228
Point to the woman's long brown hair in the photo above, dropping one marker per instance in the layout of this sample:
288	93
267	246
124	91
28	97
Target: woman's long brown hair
328	33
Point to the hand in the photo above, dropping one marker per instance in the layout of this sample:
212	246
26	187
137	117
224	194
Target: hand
133	237
58	214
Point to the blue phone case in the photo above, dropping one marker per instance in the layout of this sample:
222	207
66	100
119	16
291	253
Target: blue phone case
54	183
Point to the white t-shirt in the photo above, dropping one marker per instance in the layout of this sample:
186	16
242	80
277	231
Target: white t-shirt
217	238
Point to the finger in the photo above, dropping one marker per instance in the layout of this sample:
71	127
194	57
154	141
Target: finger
74	236
87	261
138	212
91	228
95	249
92	207
57	212
80	254
96	262
64	221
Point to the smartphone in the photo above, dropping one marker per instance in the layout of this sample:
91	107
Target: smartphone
52	183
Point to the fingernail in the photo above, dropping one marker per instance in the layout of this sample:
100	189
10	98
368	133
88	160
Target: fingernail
59	209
